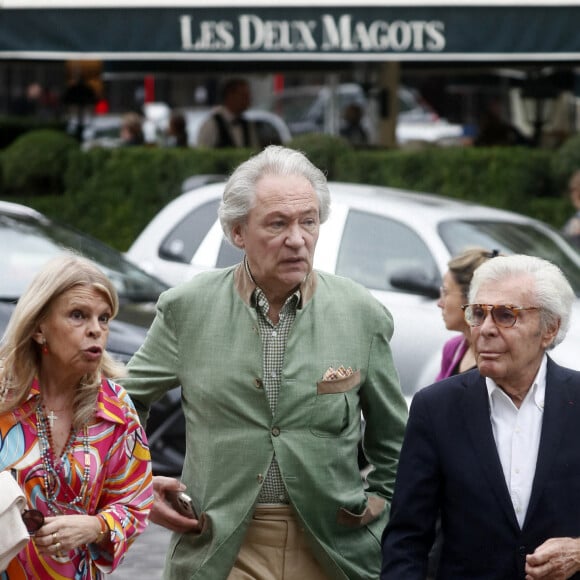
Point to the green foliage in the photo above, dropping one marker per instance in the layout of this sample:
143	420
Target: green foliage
113	193
565	161
36	162
12	127
501	177
325	151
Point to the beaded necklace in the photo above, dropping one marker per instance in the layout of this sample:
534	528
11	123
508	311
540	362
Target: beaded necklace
53	465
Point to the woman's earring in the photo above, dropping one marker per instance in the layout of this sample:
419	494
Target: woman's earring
44	346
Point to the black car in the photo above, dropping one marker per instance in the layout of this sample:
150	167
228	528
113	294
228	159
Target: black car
28	240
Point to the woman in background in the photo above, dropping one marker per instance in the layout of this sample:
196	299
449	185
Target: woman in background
69	434
457	354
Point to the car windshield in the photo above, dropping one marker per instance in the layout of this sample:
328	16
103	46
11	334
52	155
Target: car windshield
511	238
28	242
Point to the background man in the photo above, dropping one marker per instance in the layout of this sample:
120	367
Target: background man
227	125
495	450
276	362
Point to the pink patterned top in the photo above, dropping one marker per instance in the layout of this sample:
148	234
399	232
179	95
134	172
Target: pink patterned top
120	485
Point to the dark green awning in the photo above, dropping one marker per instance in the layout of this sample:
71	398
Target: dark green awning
463	32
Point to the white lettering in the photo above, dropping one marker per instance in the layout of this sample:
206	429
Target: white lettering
330	33
185	27
305	31
251	32
273	35
213	35
436	33
337	34
379	34
400	35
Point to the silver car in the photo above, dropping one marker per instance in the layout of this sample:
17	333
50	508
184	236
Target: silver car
396	243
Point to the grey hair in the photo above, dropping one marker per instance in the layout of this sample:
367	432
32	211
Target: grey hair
240	190
550	288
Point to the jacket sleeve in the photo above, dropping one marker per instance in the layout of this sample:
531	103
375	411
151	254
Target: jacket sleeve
154	368
384	410
410	533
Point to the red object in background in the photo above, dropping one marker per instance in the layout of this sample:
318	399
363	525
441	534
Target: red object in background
278	83
102	107
149	85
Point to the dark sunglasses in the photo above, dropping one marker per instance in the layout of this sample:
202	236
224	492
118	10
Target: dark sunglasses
33	520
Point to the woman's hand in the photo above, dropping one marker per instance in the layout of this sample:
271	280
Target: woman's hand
60	534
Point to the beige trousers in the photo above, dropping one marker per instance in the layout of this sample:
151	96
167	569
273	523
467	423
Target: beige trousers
275	549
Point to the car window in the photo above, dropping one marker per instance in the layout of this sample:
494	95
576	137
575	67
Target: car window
373	248
183	240
28	242
510	238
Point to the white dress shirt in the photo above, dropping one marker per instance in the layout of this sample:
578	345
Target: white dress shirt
517	437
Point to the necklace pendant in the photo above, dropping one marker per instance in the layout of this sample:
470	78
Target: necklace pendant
51	418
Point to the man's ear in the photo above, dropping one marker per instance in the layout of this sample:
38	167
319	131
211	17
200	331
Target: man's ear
550	334
238	236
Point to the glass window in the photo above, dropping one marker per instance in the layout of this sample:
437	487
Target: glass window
182	242
373	248
511	238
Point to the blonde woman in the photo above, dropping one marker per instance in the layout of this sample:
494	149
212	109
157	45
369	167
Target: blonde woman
68	433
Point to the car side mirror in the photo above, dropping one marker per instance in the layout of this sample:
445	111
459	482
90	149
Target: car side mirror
415	281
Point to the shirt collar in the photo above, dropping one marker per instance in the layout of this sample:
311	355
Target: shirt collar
109	406
538	388
246	285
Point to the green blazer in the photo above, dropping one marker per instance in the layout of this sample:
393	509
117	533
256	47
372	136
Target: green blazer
205	338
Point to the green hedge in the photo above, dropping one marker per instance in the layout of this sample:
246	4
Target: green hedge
113	193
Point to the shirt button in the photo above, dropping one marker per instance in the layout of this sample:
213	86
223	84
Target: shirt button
275	431
273	374
274	334
281	497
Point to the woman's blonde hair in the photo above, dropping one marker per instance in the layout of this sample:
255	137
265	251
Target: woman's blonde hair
20	353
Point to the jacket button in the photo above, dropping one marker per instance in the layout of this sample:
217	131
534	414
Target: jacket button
259	384
275	431
260	478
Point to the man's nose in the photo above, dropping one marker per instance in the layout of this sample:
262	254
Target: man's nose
294	235
488	325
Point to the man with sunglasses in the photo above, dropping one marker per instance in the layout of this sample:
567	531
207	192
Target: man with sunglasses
494	450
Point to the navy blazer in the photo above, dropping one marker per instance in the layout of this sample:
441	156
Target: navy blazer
449	464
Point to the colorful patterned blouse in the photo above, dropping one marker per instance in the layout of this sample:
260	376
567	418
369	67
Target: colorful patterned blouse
120	485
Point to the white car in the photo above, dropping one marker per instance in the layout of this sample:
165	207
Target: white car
395	243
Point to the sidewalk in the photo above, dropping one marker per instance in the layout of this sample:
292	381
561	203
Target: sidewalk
146	556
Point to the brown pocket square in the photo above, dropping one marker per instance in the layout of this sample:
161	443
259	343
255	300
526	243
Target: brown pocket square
339	381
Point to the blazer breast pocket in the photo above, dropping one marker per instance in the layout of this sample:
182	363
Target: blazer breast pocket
335	405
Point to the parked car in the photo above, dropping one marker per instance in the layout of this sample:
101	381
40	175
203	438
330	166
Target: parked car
396	243
318	109
29	239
